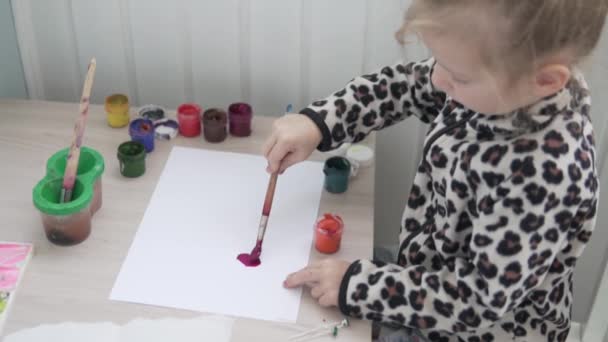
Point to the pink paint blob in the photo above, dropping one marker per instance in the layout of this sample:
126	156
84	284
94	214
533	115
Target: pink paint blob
252	259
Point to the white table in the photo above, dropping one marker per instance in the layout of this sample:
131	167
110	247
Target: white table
73	283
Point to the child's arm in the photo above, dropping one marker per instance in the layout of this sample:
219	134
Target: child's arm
372	102
367	103
519	226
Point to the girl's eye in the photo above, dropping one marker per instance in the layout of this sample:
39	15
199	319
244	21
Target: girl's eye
457	80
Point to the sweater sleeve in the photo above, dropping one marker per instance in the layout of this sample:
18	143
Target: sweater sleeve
374	101
520	230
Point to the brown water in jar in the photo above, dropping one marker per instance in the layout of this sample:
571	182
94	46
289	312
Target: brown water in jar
97	201
67	230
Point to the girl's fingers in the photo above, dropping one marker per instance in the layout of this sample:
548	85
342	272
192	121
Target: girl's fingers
328	298
316	292
269	144
276	155
302	277
289	160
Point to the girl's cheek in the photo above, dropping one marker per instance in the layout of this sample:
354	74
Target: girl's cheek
441	82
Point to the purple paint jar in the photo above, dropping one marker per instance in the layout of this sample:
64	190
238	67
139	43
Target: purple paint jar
239	116
142	130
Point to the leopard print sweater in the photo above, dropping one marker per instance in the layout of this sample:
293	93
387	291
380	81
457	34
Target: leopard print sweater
500	209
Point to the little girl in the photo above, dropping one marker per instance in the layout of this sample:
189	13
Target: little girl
505	197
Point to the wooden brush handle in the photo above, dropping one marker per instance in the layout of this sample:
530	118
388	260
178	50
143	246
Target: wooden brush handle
272	184
71	168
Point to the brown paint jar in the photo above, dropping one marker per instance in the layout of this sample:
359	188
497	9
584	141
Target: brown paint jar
214	125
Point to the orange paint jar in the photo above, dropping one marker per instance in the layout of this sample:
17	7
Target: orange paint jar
328	233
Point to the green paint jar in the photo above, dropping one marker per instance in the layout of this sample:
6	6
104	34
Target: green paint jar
337	172
132	158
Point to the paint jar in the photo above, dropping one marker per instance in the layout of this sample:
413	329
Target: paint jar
214	125
152	112
132	159
117	110
328	233
189	118
337	171
142	130
240	116
69	223
166	129
90	167
361	155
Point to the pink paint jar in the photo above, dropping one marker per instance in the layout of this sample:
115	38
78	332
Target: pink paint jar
189	118
239	117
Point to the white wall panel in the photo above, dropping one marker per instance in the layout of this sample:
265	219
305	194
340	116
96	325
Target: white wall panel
98	33
159	51
337	44
215	58
275	55
54	39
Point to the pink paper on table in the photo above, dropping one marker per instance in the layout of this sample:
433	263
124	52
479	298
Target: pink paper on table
12	254
14	257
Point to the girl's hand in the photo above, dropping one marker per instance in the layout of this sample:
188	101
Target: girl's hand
323	278
294	137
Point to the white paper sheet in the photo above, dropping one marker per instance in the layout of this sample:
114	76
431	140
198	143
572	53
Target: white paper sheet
204	212
208	328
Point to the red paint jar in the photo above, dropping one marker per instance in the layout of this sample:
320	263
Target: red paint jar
328	233
239	117
189	118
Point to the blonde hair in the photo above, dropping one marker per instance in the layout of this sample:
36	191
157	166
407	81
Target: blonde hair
528	30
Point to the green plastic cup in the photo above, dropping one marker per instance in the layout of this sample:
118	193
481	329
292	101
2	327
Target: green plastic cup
69	223
90	168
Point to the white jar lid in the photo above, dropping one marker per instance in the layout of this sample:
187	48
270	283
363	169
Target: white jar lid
152	112
361	154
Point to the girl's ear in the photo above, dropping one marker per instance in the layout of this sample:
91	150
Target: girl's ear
550	79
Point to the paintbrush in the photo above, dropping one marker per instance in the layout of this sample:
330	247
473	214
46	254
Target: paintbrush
253	258
272	184
71	167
